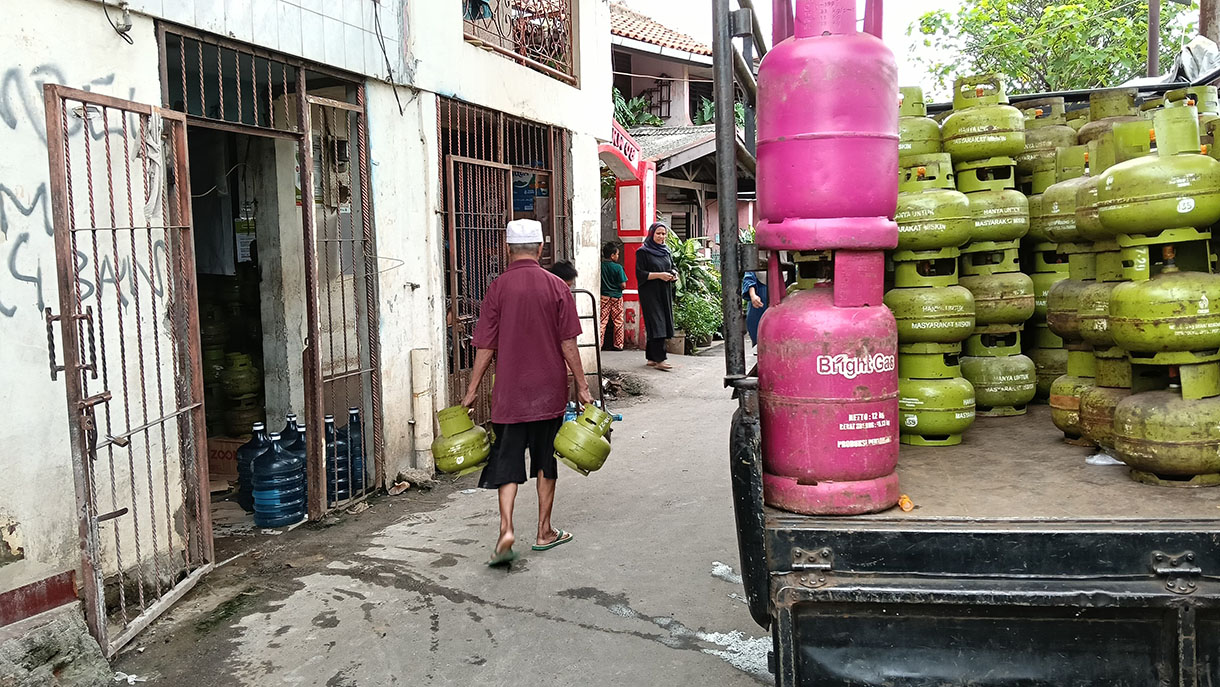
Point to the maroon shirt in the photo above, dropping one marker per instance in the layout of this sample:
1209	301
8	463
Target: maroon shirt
527	313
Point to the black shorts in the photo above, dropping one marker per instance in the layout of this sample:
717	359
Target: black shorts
506	464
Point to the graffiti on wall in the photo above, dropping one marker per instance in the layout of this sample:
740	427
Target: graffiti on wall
26	227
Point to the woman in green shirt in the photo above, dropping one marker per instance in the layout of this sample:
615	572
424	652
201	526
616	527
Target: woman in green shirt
614	279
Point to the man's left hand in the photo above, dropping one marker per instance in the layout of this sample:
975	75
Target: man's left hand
584	396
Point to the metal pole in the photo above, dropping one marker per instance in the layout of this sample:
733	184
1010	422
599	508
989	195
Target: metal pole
1209	19
726	189
1154	37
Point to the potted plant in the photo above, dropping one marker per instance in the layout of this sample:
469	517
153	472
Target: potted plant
697	314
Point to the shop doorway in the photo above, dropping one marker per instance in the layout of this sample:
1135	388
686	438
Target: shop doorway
287	259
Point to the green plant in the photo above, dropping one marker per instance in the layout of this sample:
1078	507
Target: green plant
697	275
699	316
634	112
706	113
746	235
608	182
1045	45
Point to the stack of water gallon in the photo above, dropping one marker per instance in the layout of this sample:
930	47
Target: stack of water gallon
934	314
982	135
827	188
1046	130
1159	209
272	475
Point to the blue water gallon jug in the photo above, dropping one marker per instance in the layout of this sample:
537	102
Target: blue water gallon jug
259	442
279	486
338	483
353	438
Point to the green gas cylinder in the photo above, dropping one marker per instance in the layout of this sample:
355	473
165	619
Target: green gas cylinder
1103	154
1097	405
1176	188
1077	119
581	444
1065	394
1001	213
931	213
935	405
1168	440
1107	108
1059	201
1037	218
1093	313
982	124
1205	99
1063	300
1003	386
934	314
1046	129
1049	268
462	447
1006	298
1173	312
1049	356
917	134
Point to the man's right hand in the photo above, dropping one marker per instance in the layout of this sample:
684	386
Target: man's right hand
471	397
756	301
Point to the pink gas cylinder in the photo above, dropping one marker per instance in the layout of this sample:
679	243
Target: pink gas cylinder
829	392
827	134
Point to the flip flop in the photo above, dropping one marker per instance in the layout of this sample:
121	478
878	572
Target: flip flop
563	538
664	367
502	558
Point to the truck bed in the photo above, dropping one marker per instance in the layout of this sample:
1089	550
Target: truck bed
1019	468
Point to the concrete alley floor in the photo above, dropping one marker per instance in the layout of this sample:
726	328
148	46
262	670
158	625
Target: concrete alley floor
648	592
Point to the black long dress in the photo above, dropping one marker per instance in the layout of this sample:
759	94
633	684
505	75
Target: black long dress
656	296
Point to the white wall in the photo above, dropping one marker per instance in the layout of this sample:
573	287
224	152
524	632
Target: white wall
340	33
65	42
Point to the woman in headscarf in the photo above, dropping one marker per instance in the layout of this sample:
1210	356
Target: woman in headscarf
654	270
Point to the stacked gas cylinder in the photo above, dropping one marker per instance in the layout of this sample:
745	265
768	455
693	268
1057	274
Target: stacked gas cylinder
982	136
1046	130
933	312
1082	400
827	188
1160	332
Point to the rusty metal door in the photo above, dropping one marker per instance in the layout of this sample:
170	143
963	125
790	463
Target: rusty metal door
480	205
344	351
129	325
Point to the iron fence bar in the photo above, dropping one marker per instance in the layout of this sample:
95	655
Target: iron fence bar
312	356
334	104
372	318
194	373
119	322
63	216
118	439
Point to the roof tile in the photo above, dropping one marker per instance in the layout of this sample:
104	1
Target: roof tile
628	23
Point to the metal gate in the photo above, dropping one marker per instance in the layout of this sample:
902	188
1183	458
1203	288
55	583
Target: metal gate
282	99
130	331
344	341
494	168
480	207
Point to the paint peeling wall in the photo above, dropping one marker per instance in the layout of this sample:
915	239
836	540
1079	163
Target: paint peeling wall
70	42
66	42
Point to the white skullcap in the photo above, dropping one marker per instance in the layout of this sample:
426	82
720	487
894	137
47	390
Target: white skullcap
525	231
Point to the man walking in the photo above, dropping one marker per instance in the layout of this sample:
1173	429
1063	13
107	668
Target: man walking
528	325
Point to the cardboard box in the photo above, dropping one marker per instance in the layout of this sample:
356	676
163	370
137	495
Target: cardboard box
222	456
